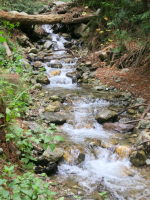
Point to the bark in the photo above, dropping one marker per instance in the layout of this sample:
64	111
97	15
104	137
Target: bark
42	19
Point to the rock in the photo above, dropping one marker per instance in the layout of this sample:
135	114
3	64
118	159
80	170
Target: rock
56	118
148	161
55	98
55	65
119	127
43	79
1	151
66	36
74	154
38	64
138	158
123	151
100	88
48	44
39	31
37	86
144	137
55	73
33	50
53	107
106	115
125	70
144	124
59	3
82	30
53	156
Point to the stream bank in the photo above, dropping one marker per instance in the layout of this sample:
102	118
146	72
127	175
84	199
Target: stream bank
94	157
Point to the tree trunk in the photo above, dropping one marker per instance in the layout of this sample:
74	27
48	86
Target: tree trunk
2	120
42	19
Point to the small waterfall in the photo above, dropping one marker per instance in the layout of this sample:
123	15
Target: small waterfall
61	79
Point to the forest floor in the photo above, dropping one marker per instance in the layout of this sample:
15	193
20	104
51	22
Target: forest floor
134	80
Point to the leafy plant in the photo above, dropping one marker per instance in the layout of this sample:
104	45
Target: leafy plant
26	186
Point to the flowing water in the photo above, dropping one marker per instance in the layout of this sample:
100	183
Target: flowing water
115	174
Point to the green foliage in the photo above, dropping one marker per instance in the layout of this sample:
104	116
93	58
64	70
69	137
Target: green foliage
26	139
26	186
29	6
123	14
16	98
104	195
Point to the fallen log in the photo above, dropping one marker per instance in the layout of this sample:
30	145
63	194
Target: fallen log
24	18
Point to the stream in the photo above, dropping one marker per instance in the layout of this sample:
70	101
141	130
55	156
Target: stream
103	169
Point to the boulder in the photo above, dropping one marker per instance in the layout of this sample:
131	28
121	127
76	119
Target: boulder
38	64
56	118
43	79
138	158
53	107
53	156
144	124
105	115
119	127
74	154
55	73
123	151
55	65
144	136
48	44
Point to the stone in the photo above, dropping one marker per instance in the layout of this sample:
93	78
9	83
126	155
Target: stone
53	156
123	151
55	98
138	158
105	115
144	124
33	50
37	86
55	73
74	154
100	87
1	151
43	79
119	127
55	65
144	136
66	36
53	107
148	161
48	44
38	64
56	118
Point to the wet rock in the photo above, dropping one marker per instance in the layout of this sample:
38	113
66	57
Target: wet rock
55	65
74	154
48	44
43	79
53	107
55	73
106	115
119	127
56	118
123	151
138	158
